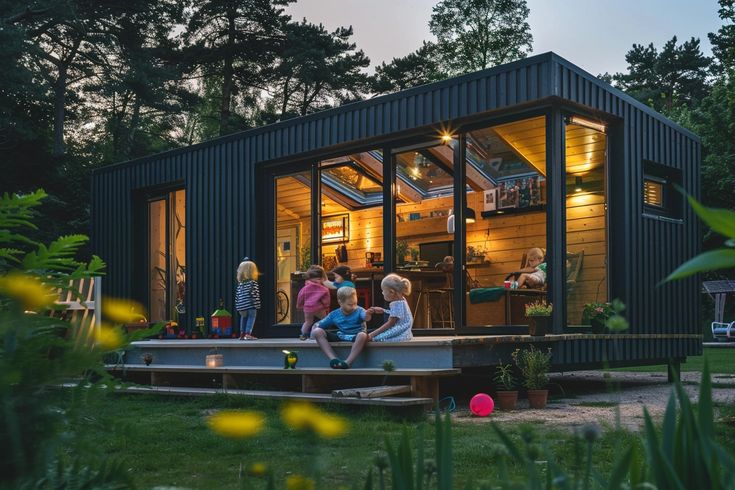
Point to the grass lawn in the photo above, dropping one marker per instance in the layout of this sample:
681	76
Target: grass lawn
165	442
721	360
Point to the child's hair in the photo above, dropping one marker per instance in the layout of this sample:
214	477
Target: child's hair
344	271
345	292
247	271
316	272
397	283
535	252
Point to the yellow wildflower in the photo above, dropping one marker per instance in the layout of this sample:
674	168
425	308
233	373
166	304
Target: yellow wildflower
303	416
236	424
28	290
258	469
298	482
109	337
122	310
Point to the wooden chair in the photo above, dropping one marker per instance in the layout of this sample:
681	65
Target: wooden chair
81	301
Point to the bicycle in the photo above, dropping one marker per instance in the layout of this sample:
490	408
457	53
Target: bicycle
282	305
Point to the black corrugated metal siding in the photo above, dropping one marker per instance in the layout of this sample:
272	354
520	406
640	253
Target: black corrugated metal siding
644	250
219	175
219	178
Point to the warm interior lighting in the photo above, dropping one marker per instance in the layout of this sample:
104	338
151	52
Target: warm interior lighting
446	138
469	215
653	193
578	184
580	121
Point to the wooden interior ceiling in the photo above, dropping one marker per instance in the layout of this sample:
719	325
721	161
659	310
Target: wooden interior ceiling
528	139
293	200
585	149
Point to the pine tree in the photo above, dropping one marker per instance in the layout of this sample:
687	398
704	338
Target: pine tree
417	68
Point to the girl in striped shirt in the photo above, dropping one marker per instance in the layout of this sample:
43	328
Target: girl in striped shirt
247	297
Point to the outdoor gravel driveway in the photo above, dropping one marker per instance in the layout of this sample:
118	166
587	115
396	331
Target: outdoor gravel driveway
588	396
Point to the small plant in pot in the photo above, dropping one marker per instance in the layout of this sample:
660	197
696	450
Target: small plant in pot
538	314
597	315
534	365
505	380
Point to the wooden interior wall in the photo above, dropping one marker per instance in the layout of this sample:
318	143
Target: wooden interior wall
505	237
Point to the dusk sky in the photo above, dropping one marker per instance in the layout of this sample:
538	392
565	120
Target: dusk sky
593	34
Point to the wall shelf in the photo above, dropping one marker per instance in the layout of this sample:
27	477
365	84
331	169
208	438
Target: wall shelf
500	212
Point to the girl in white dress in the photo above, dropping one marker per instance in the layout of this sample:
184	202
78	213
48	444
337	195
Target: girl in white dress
400	319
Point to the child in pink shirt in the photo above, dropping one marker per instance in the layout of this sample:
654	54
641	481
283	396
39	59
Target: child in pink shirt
313	299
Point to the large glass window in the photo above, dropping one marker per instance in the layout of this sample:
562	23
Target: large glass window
167	256
505	172
424	200
586	209
293	243
352	220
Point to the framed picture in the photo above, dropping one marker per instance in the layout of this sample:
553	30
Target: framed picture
336	228
507	195
490	200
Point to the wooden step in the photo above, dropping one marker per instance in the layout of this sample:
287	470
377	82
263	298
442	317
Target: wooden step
186	368
278	395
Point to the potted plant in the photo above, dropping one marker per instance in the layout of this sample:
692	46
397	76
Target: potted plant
597	315
534	365
538	313
505	380
401	251
476	254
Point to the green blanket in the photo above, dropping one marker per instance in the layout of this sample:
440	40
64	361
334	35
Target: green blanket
483	295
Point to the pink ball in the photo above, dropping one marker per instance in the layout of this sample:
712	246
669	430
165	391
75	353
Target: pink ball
482	405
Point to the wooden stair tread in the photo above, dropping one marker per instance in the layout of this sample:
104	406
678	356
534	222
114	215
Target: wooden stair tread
280	370
277	395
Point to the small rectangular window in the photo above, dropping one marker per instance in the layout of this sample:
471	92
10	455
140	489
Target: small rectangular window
653	192
660	196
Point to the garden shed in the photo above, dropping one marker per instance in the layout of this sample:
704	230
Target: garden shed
481	168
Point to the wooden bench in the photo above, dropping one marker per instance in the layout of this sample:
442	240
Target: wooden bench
424	382
81	301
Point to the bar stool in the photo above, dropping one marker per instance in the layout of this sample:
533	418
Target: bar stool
441	300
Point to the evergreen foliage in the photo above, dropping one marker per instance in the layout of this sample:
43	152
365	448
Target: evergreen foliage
477	34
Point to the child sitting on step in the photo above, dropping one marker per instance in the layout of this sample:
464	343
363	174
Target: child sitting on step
350	320
400	319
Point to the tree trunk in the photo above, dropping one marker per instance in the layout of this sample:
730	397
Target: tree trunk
134	123
227	75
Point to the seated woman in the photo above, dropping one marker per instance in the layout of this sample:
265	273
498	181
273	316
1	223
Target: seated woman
534	274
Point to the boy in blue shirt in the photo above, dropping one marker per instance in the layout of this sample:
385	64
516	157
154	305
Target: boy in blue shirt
350	322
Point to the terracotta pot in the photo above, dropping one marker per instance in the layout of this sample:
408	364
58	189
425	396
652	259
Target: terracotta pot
507	400
537	398
538	325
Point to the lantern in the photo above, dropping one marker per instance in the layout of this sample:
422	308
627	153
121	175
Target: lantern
221	322
214	360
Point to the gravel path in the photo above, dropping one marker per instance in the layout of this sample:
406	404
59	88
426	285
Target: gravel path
584	396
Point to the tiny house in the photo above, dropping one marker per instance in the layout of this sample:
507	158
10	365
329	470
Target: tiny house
449	184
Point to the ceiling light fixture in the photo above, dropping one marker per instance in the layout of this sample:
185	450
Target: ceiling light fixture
587	123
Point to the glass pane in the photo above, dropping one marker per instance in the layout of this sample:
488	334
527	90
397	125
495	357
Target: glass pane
425	197
158	261
506	181
293	243
352	221
586	264
179	239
